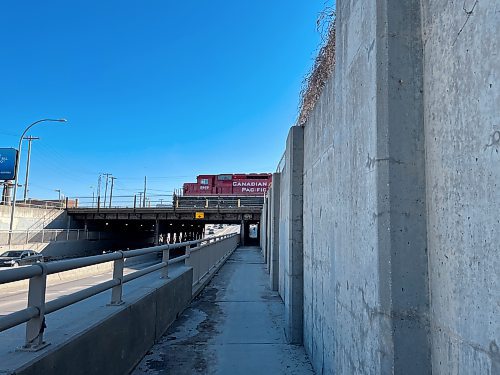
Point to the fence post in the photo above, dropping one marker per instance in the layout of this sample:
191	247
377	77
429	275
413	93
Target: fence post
27	236
165	259
78	234
67	234
43	235
36	298
117	291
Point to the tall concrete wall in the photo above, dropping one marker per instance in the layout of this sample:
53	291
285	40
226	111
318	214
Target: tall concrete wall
290	235
274	221
462	131
401	193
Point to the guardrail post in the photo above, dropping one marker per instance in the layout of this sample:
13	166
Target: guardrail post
36	298
117	291
27	236
165	259
188	253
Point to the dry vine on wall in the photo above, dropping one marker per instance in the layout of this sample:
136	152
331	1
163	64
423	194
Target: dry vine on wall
322	68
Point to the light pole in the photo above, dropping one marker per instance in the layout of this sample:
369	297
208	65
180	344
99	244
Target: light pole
58	191
13	209
111	193
93	196
29	139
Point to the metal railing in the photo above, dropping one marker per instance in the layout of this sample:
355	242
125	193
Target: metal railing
48	205
281	163
34	314
168	201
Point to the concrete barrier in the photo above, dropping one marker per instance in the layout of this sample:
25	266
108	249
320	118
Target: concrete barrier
116	343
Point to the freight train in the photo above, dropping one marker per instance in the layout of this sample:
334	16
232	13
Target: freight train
225	190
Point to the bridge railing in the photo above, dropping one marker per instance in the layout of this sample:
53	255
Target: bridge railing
123	201
34	314
168	201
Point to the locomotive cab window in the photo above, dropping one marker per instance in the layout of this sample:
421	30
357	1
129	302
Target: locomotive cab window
204	181
224	177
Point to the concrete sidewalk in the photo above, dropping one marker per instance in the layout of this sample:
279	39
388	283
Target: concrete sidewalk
234	327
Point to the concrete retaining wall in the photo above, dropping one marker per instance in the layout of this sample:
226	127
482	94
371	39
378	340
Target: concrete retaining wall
27	217
401	193
462	132
116	344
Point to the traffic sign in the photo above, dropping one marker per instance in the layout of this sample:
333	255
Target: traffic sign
8	158
199	215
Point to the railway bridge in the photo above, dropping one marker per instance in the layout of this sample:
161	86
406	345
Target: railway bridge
169	224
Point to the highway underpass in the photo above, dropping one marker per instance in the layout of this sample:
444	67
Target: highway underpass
169	223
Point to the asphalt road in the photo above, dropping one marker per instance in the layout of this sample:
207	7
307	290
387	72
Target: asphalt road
11	301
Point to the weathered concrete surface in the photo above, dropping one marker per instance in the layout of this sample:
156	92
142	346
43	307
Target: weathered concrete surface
274	230
92	338
234	327
462	130
290	235
401	193
33	217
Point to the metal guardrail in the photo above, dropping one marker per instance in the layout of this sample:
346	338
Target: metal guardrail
281	163
167	202
34	314
47	205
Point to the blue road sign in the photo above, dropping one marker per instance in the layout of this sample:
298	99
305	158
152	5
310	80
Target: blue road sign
8	163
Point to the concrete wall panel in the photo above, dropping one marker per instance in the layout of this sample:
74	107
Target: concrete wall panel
462	125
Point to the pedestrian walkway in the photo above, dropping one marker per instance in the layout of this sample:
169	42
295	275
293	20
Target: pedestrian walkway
234	327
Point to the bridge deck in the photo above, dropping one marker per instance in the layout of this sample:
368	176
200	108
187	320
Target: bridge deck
234	327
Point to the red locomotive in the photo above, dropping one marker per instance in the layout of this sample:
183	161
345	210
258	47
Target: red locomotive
253	184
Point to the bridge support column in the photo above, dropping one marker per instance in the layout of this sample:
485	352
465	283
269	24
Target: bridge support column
243	232
157	232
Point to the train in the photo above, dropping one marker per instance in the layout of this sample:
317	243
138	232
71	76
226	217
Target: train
224	191
252	184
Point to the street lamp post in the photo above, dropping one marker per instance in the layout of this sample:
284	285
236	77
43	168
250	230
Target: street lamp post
13	208
59	192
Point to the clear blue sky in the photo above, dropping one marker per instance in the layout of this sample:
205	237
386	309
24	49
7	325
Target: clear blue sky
167	89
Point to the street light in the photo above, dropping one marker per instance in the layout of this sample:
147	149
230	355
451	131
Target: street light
59	191
18	157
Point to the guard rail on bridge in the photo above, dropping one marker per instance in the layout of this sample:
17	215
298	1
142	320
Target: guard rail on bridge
167	201
34	315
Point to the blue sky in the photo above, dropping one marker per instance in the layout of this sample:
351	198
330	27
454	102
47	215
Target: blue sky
164	89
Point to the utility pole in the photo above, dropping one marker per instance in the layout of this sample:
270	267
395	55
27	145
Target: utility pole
144	196
111	193
106	189
140	198
29	139
99	185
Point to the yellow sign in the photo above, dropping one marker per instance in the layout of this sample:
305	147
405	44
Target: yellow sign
199	215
